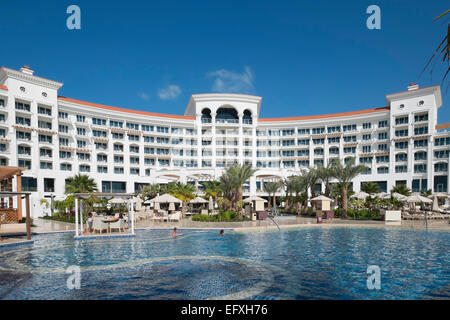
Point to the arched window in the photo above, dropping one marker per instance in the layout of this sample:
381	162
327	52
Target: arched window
206	115
227	115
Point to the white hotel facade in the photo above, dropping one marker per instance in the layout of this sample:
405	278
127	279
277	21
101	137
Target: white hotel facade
56	137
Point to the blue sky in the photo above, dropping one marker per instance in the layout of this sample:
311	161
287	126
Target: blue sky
302	57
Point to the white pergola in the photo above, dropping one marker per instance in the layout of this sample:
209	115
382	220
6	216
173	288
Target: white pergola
79	226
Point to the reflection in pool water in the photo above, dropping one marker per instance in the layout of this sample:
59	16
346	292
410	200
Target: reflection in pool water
311	263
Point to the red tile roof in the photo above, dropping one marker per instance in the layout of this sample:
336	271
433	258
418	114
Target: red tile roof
95	105
3	87
333	115
442	126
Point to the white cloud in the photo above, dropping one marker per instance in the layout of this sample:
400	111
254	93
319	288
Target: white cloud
144	96
169	93
228	81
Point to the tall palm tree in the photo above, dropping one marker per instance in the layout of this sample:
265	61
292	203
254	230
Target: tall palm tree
345	175
326	174
81	183
272	188
310	180
213	190
184	192
227	185
289	186
150	191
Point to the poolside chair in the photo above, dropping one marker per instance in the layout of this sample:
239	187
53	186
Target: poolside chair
99	225
119	225
176	216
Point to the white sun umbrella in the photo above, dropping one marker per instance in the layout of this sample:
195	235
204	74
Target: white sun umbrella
165	198
360	195
118	201
418	198
198	200
157	207
399	196
435	204
171	206
254	198
383	195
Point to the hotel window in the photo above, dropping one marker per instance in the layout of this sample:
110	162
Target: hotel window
132	126
286	143
2	117
286	132
65	155
162	140
45	111
147	172
149	161
63	115
63	129
133	137
23	121
318	152
334	140
382	124
118	147
401	145
81	118
420	168
318	130
45	138
2	103
421	130
134	149
401	120
303	163
99	122
2	133
149	150
134	160
367	136
365	160
349	127
420	143
118	159
382	147
63	141
441	154
289	164
180	163
117	136
149	139
162	151
401	157
84	156
319	141
304	142
276	133
3	147
383	170
348	160
45	153
25	164
102	169
81	131
366	149
46	165
49	185
115	124
286	153
24	150
334	151
442	141
367	125
85	168
101	146
350	139
162	129
318	162
382	159
23	106
421	117
421	155
441	167
100	134
177	130
4	162
23	135
44	125
118	170
334	129
146	127
349	149
382	135
303	153
81	144
102	158
401	133
65	167
367	171
165	163
303	131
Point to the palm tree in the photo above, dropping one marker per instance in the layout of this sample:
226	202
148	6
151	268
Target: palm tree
326	174
80	183
227	185
370	187
272	188
150	191
233	179
310	178
402	189
184	192
289	185
344	175
213	190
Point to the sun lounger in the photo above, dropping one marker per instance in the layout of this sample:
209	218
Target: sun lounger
176	216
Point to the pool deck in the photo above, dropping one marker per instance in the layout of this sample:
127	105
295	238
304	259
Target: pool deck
46	226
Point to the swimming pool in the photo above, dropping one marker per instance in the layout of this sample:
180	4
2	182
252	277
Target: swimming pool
310	263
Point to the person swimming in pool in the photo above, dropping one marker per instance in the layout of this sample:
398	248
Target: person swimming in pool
222	232
174	233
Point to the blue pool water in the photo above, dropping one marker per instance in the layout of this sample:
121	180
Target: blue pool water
311	263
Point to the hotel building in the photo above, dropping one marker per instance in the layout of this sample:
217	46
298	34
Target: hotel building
56	137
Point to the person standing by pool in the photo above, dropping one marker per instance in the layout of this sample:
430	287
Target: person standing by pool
89	222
